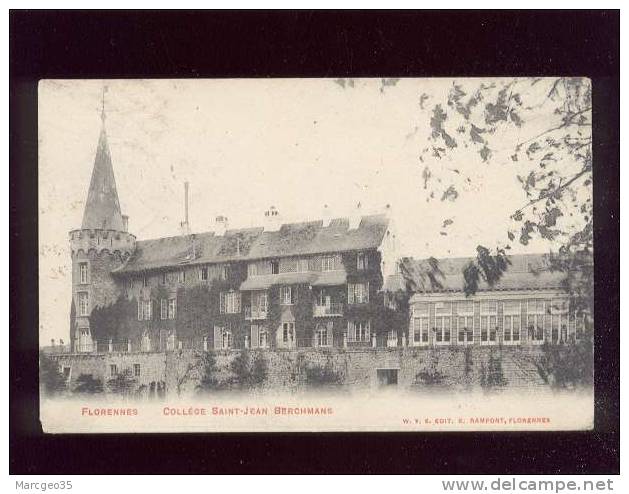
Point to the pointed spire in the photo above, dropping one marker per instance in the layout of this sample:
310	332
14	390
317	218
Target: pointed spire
102	209
102	112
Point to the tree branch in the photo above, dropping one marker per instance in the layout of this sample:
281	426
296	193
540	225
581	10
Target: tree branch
560	188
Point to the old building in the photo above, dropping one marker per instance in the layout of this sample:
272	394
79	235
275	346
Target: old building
310	284
527	306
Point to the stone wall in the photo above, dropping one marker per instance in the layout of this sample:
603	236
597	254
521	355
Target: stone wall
288	370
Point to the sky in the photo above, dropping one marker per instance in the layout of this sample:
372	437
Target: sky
245	145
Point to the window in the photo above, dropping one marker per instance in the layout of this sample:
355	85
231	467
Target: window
230	302
443	322
259	302
259	336
362	261
136	370
535	306
323	335
466	329
421	323
181	277
264	338
535	320
288	334
328	263
164	278
357	293
286	295
172	308
488	322
511	331
252	269
113	370
225	271
84	305
145	282
559	321
203	273
420	330
83	273
465	307
303	266
222	338
227	338
129	285
359	331
511	321
164	309
145	311
275	267
536	328
392	338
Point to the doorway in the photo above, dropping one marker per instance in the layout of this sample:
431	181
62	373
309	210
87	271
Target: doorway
387	377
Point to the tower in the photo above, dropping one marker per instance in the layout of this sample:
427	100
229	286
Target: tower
102	244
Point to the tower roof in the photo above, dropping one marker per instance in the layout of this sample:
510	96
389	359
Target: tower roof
102	209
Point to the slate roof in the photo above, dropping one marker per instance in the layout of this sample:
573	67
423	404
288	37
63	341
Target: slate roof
291	239
526	272
102	208
268	280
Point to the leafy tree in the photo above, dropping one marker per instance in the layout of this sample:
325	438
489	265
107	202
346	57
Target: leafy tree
87	384
51	381
249	371
567	366
552	162
431	375
122	384
208	370
113	321
492	375
322	375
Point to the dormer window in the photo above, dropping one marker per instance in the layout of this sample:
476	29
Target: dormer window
252	269
328	263
275	267
302	265
362	262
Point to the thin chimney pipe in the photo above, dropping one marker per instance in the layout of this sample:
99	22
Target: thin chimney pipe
186	199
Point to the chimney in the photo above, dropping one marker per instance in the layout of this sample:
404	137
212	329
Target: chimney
125	223
326	216
272	219
221	225
355	217
185	225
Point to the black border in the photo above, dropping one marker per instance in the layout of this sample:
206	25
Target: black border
126	44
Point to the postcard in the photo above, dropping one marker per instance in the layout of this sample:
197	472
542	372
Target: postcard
268	255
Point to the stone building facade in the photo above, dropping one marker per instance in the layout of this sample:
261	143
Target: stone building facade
326	283
528	306
310	284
